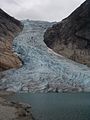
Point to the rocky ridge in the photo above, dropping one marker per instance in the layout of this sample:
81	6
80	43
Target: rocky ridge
9	28
71	36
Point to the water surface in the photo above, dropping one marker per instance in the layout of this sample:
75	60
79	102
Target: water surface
57	106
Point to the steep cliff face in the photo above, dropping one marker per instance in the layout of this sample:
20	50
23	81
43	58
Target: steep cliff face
9	28
71	36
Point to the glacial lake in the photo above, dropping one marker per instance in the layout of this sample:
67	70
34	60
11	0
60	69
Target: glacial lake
57	106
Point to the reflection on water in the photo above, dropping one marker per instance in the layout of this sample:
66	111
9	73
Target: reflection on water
53	106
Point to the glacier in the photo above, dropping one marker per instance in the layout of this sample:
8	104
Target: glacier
43	70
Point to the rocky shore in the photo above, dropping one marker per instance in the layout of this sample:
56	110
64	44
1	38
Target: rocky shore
13	111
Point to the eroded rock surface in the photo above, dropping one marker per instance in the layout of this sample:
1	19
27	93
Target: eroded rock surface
71	36
9	28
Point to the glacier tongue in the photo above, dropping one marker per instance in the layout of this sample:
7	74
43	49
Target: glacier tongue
43	70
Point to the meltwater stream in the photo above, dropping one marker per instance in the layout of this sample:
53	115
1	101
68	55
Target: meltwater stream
57	106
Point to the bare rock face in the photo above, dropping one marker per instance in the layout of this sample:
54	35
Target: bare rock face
71	36
9	28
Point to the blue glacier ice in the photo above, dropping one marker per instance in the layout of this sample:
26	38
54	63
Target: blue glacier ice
43	70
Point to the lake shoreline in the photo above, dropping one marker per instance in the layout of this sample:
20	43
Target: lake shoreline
13	110
57	106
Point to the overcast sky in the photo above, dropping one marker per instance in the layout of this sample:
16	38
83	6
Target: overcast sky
50	10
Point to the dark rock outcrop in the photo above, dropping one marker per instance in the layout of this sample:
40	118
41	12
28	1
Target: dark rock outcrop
9	28
71	36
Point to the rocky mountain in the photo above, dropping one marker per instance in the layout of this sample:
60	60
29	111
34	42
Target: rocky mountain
9	28
43	70
71	36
